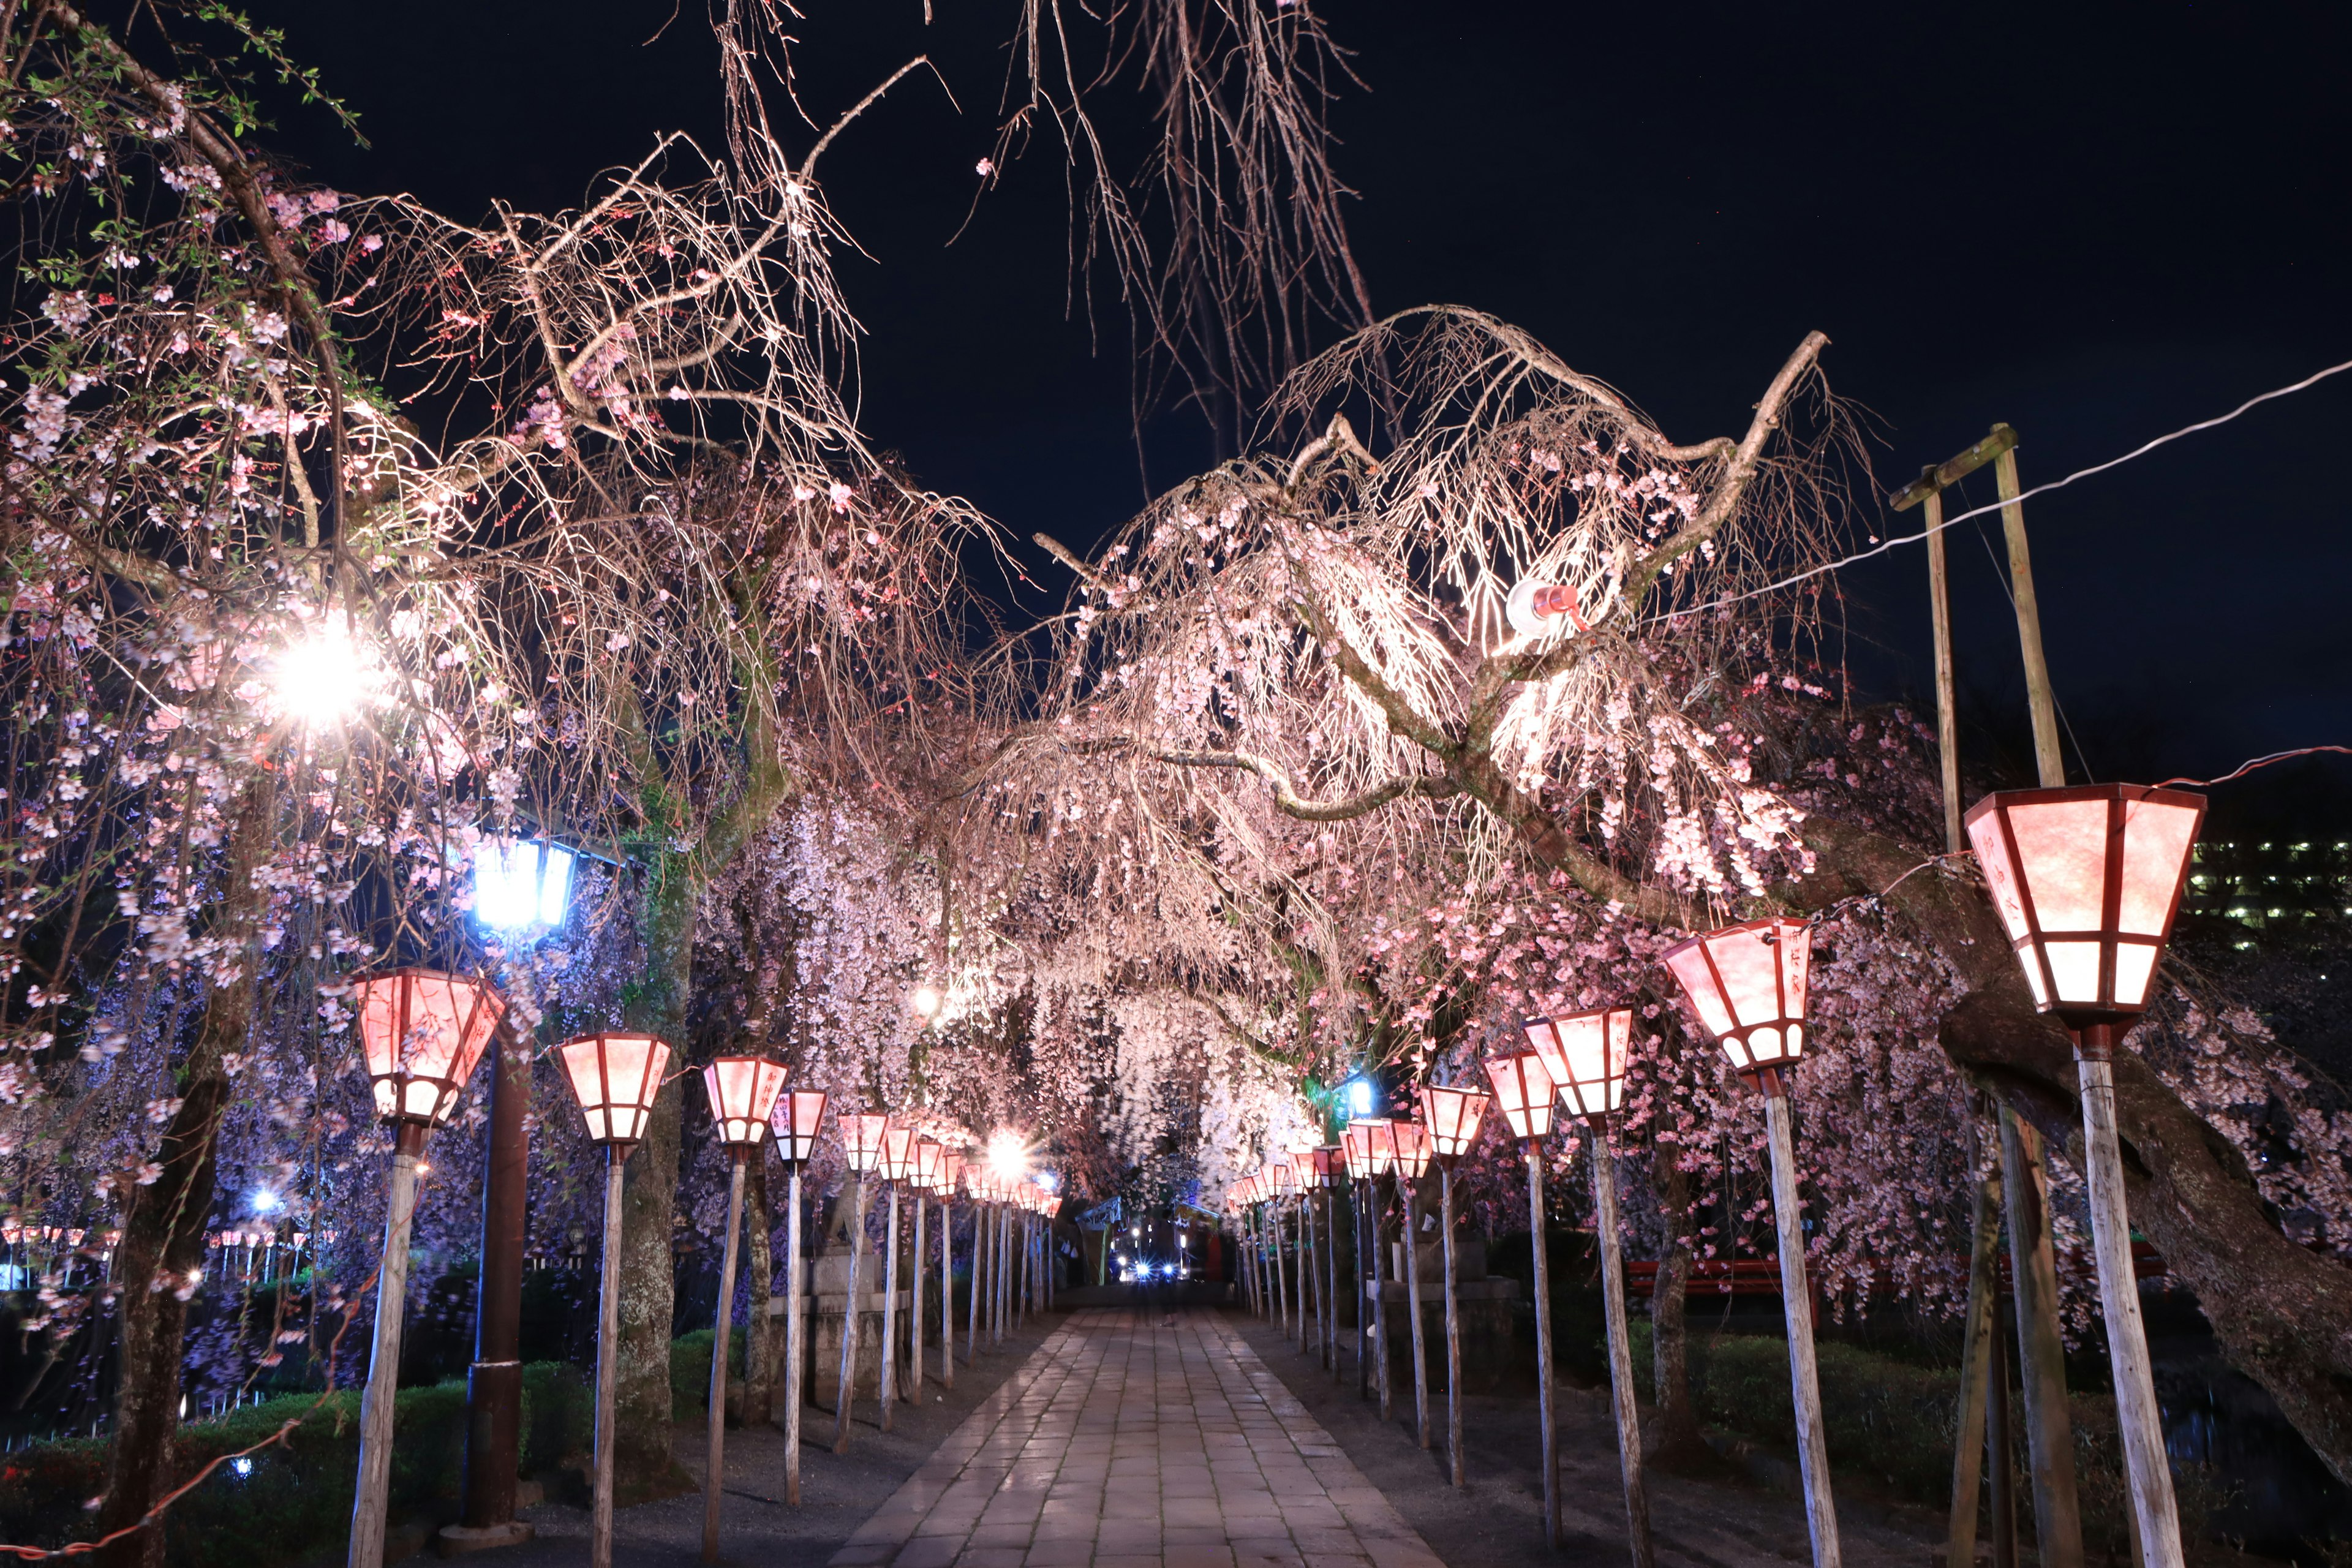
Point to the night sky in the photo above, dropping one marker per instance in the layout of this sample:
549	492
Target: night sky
2095	223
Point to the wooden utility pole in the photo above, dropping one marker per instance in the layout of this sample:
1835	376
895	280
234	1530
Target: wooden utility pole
2042	1356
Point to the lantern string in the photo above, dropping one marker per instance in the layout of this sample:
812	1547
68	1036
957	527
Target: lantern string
2139	451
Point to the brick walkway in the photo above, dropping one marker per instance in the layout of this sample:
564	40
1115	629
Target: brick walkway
1129	1445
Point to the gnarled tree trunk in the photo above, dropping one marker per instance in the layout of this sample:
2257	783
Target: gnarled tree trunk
759	1349
1676	1442
164	1223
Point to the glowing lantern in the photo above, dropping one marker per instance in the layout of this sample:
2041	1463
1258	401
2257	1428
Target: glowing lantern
1747	983
1586	1053
1451	1116
897	1162
930	1164
520	883
614	1078
1306	1160
1523	1092
1412	1149
794	1119
742	1092
2087	880
424	1032
1356	1146
861	1140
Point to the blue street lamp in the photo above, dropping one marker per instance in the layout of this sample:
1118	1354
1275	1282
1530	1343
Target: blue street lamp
520	883
1360	1095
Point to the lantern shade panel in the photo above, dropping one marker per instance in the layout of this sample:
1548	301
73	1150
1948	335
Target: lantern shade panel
742	1092
1746	983
794	1119
930	1160
424	1032
2087	880
897	1162
1586	1053
1412	1149
521	882
1451	1116
1381	1136
1356	1146
1523	1093
614	1078
861	1139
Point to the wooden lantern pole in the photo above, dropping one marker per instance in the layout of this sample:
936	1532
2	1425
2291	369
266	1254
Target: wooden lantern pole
1307	1305
843	1399
795	1345
1621	1349
1453	1327
1537	1228
1977	1333
1281	1269
979	1271
608	1346
888	1395
715	1468
1358	1191
946	1287
1380	1297
1331	1357
1797	1300
2139	1416
1413	1305
912	1391
373	1494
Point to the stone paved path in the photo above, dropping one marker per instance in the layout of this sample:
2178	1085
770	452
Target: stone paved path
1127	1444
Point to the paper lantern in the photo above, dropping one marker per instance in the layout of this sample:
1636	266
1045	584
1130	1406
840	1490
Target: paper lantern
1356	1144
2087	880
1586	1053
742	1092
861	1139
1411	1142
1523	1092
794	1119
423	1032
1747	983
897	1162
1451	1116
930	1160
614	1078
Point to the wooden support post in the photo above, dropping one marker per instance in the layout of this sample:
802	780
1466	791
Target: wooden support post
889	1392
1948	728
1452	1333
1358	1191
1621	1352
795	1346
2038	697
1976	1339
2000	1467
1281	1270
1307	1327
1796	1301
2041	1347
845	1396
1412	1306
1331	1357
608	1346
972	1292
714	1473
1546	1418
2150	1472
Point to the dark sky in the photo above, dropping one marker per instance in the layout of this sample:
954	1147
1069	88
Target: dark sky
2096	223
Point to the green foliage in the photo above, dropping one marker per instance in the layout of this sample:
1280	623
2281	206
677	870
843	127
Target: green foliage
295	1501
689	1370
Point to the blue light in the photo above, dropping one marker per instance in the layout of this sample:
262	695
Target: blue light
520	883
263	1201
242	1464
1360	1094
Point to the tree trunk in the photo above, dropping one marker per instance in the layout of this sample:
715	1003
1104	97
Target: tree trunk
759	1352
2282	1315
645	1466
1676	1443
163	1224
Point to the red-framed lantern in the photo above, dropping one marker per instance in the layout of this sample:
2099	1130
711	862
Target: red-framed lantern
1356	1147
742	1092
1380	1141
1451	1116
897	1162
1746	983
614	1076
1586	1055
794	1119
2088	880
424	1032
1413	1145
930	1160
1523	1093
861	1139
